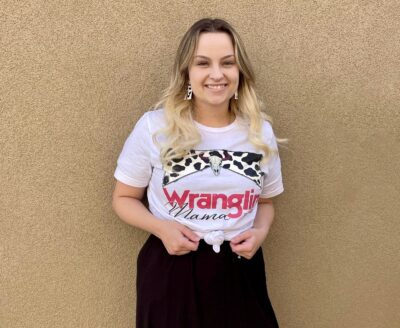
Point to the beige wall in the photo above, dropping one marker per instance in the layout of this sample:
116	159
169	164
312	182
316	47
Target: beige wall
75	76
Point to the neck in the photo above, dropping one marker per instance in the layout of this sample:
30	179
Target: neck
215	117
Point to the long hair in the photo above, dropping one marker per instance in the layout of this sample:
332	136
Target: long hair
180	132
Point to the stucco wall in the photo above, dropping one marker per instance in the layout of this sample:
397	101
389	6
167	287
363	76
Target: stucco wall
75	76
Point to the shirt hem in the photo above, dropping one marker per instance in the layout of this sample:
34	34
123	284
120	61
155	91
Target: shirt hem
272	194
120	176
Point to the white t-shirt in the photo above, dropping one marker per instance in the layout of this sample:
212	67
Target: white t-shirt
214	189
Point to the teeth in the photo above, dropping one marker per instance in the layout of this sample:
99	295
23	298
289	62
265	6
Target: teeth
216	86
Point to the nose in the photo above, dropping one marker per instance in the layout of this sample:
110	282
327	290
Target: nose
216	73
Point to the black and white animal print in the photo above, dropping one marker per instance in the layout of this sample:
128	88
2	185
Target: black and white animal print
246	164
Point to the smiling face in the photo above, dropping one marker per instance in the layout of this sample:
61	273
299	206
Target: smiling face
213	72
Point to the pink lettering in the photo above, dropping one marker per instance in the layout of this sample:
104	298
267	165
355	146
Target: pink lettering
174	198
255	200
237	202
204	201
246	200
215	198
192	197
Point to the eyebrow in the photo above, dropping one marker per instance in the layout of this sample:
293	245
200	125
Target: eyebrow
205	57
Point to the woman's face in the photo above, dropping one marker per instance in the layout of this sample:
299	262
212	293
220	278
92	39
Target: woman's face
214	73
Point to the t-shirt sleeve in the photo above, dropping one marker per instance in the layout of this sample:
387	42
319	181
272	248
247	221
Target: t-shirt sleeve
272	182
134	163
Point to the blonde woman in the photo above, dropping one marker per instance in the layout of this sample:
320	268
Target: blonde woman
208	158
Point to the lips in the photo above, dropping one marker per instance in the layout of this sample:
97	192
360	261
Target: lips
219	86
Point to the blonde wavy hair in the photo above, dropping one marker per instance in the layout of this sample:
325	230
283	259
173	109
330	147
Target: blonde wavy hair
180	132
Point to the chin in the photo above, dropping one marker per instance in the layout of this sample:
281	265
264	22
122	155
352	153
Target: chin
217	100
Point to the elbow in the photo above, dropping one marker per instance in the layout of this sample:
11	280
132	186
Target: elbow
114	202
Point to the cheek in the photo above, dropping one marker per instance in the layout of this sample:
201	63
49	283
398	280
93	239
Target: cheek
235	78
196	79
234	75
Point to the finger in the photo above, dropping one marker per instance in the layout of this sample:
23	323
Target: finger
180	253
241	237
189	245
178	250
240	248
189	234
245	254
244	247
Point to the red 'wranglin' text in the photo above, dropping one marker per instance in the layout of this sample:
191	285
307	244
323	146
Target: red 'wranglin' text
238	202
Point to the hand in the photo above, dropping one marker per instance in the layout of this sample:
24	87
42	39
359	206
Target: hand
177	238
248	242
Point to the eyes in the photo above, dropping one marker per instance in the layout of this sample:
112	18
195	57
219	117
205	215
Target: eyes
226	63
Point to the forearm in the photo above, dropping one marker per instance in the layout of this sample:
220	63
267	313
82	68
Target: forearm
248	242
264	217
177	238
133	212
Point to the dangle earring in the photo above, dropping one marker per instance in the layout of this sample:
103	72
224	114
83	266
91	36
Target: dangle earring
189	92
236	95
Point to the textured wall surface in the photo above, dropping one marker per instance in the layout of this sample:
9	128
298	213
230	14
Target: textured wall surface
76	75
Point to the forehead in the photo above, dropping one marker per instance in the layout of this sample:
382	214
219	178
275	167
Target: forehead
214	43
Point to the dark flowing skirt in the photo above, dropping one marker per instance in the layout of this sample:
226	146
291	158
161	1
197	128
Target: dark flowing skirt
202	289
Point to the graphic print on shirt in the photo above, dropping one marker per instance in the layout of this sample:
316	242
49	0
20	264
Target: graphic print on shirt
183	203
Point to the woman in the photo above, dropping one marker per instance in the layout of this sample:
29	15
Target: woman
209	160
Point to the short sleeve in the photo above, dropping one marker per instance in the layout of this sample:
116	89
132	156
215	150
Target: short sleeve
272	183
134	163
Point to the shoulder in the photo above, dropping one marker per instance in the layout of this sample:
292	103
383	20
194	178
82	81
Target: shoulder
151	120
156	119
156	114
268	133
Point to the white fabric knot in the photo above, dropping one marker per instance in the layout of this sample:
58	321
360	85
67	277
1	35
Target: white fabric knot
215	238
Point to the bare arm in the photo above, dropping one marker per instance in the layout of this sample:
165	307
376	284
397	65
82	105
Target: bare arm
177	238
247	243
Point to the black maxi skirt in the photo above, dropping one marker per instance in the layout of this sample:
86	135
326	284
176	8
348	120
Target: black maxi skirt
202	289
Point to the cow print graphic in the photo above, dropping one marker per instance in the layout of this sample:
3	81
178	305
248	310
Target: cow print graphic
244	163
